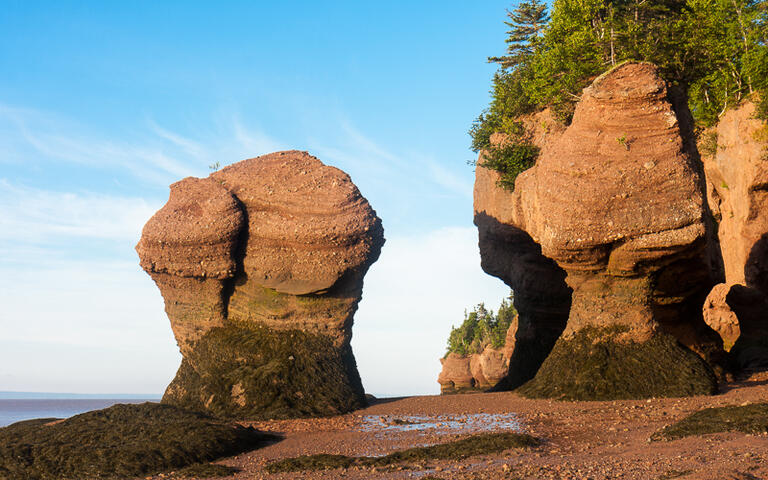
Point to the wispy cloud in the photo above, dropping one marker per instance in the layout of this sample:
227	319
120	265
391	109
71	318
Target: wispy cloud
406	171
34	216
50	137
156	155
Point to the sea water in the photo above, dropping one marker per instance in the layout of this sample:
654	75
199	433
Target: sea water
14	410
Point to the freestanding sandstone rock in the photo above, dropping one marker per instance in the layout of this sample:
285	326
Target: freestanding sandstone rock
617	203
261	268
737	192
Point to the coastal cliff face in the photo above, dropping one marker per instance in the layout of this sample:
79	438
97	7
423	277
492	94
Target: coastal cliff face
542	298
736	166
608	234
261	267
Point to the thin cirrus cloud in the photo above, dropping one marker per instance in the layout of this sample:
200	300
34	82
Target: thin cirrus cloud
32	216
156	155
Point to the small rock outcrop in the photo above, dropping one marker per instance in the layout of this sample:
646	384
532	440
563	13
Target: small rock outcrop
261	268
735	158
719	315
477	371
613	211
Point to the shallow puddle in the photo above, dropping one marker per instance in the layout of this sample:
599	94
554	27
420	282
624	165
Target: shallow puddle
470	423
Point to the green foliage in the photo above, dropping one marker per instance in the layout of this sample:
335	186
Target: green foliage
510	159
716	50
526	25
708	143
747	418
482	328
122	441
481	444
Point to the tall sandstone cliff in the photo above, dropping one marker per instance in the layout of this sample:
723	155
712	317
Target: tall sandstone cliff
605	239
261	268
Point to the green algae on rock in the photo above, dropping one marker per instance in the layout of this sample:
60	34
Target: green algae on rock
247	370
457	450
745	418
118	442
597	364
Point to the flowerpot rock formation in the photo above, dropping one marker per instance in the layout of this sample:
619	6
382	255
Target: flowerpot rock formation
605	238
261	267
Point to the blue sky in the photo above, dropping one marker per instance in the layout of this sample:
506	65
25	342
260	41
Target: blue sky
104	104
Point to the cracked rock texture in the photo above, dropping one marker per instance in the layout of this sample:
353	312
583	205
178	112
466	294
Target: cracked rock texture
261	267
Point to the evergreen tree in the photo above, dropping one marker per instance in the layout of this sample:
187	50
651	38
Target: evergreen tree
714	50
481	328
526	25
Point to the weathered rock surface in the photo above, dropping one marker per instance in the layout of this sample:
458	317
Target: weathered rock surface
261	268
617	204
720	316
737	193
477	371
542	298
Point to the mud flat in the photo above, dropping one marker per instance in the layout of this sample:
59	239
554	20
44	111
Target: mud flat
579	440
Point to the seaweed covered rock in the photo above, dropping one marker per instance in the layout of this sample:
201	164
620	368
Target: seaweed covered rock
616	203
122	441
735	159
261	267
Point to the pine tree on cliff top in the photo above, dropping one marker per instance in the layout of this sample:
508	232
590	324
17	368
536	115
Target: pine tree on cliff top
714	50
526	25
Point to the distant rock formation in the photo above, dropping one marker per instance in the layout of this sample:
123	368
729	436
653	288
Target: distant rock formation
261	268
613	211
477	371
736	167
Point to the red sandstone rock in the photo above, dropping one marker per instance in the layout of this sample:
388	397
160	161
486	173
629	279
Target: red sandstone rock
280	241
456	374
719	315
477	371
737	191
616	202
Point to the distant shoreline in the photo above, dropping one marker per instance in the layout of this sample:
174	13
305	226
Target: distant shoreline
10	395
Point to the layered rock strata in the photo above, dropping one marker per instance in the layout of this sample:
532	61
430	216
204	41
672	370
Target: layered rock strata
735	158
261	268
542	298
616	206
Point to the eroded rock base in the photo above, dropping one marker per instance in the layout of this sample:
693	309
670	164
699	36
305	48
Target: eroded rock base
602	364
528	356
251	371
